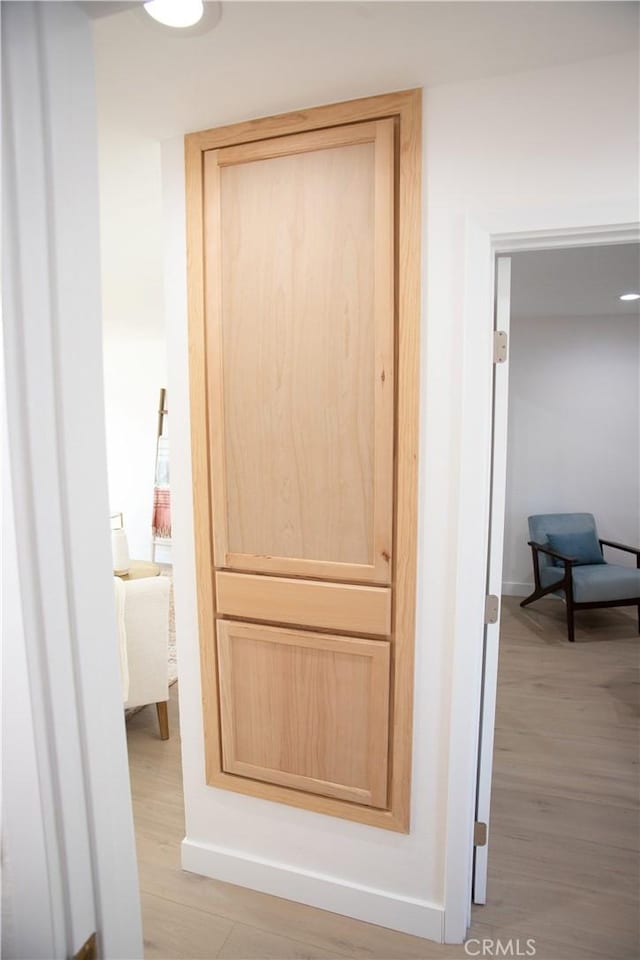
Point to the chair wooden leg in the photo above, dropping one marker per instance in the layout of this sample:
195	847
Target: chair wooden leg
639	618
536	595
163	719
570	627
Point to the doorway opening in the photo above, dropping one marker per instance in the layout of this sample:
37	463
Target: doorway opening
560	802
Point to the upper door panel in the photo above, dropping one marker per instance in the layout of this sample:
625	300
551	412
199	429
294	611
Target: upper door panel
299	277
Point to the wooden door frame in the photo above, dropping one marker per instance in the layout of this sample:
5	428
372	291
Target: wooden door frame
406	108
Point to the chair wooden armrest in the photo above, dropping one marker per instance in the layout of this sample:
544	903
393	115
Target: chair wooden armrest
620	546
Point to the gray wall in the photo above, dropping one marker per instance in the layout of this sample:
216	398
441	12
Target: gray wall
574	428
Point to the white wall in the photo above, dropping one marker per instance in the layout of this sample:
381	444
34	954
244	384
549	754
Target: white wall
134	337
555	149
574	431
134	371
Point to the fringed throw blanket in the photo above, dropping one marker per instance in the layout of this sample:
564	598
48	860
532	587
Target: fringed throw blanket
162	493
162	513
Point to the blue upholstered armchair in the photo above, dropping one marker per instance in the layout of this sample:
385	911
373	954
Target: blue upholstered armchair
568	561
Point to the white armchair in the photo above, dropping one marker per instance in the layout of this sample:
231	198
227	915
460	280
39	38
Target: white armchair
142	608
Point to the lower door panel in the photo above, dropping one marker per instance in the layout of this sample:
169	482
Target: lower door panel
305	710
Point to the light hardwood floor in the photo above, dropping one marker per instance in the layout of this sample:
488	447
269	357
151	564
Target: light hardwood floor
563	865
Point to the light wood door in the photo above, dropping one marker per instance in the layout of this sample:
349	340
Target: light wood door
299	280
305	710
304	307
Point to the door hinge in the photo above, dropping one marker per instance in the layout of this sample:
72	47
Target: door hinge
500	344
88	950
479	834
491	608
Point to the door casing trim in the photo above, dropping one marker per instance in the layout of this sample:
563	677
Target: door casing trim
486	235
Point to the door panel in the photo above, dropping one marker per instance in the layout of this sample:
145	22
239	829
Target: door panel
347	607
300	309
305	710
494	579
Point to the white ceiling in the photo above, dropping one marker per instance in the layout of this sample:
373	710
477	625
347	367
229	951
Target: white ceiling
577	282
160	84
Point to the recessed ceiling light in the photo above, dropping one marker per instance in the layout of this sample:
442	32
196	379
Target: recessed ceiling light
630	296
175	13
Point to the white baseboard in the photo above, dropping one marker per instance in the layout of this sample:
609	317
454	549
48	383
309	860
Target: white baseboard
512	589
417	917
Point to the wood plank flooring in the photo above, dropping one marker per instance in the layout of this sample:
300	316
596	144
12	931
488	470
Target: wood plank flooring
563	865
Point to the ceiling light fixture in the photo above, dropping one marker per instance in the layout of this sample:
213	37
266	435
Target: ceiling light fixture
175	13
629	296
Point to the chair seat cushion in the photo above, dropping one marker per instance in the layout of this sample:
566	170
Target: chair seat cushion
598	582
583	546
